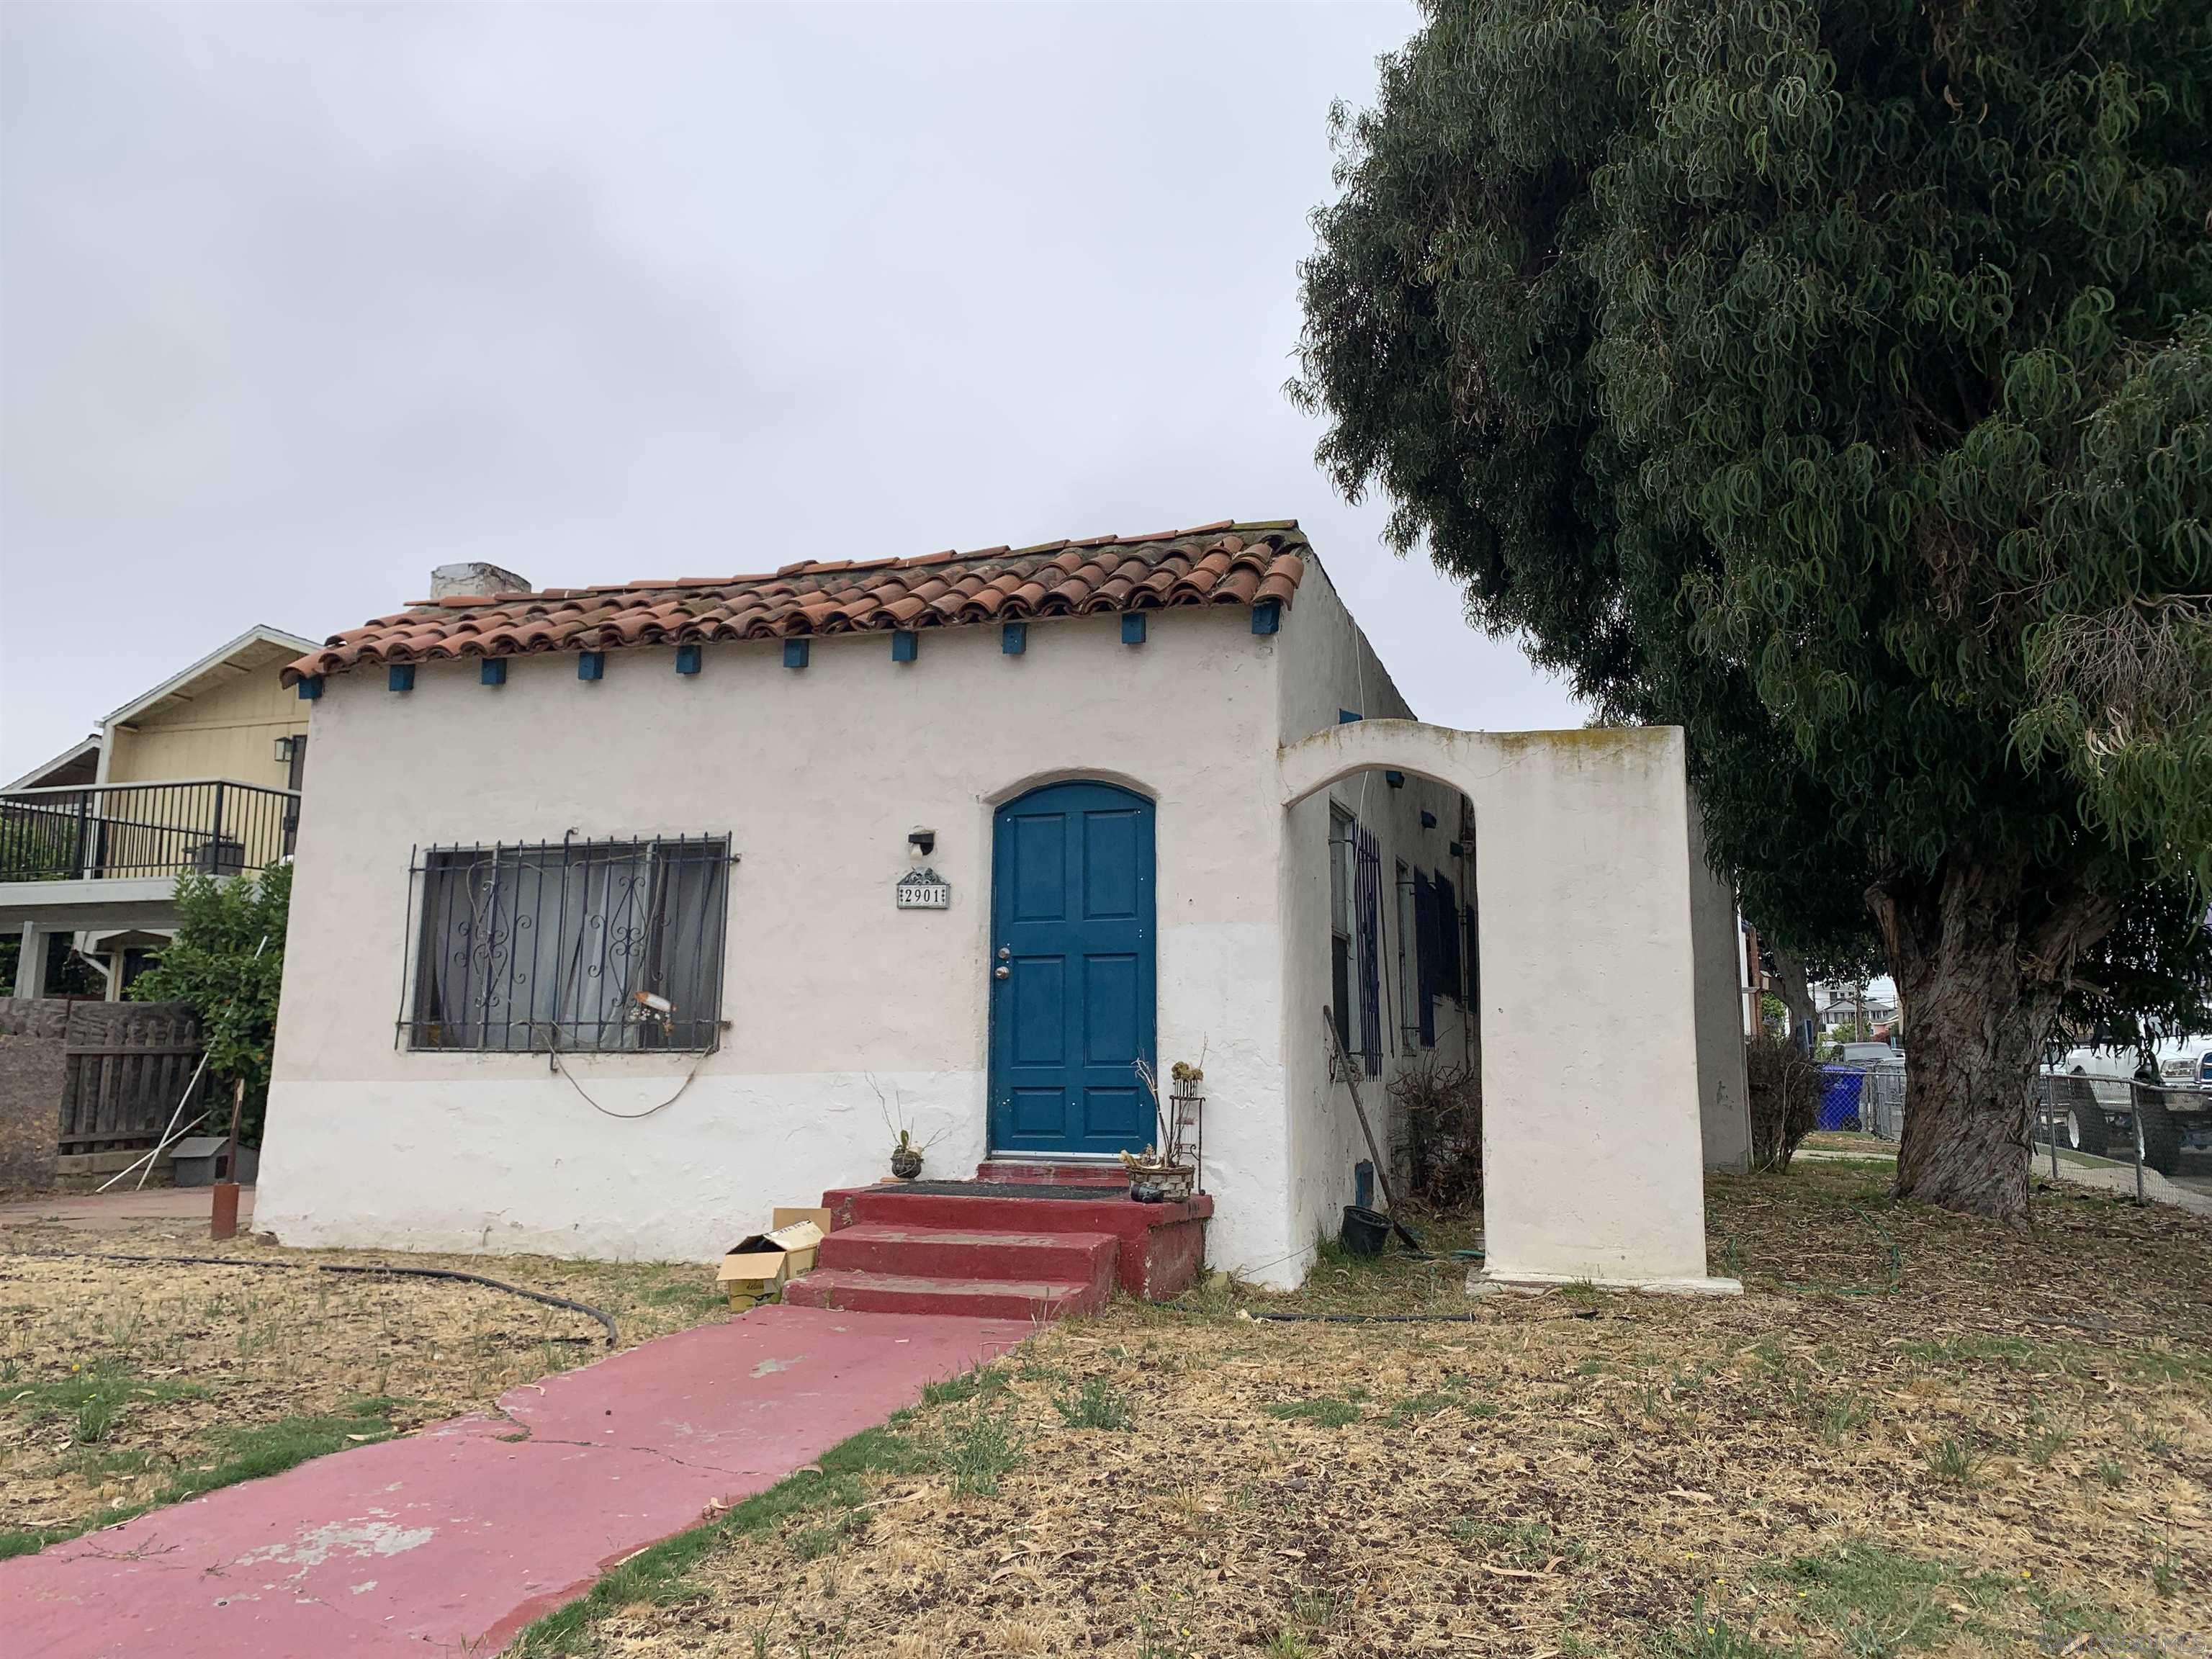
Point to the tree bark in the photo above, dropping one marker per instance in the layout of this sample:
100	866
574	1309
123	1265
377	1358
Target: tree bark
1797	998
1982	952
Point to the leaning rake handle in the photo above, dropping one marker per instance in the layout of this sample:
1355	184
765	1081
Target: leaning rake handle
1374	1153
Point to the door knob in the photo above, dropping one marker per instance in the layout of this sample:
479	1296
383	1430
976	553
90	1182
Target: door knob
1002	972
1005	953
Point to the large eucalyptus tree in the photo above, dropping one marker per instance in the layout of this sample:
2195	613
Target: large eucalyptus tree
1834	379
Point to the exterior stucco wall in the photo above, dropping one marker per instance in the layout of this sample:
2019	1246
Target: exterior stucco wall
1724	1092
1592	1150
1327	665
833	996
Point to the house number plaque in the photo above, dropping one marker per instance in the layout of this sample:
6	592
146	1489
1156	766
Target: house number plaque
923	890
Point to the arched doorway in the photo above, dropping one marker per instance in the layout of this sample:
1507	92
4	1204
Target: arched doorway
1073	940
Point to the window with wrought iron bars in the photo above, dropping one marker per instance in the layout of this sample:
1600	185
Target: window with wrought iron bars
583	946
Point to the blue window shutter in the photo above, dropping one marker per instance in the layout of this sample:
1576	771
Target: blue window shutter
1425	955
1367	904
1448	981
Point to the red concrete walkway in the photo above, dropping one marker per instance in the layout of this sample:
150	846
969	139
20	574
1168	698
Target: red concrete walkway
453	1539
124	1207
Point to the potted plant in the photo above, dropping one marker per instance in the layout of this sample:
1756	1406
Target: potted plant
906	1150
1164	1174
905	1156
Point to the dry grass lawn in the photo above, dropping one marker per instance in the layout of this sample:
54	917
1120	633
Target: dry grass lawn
125	1385
1917	1433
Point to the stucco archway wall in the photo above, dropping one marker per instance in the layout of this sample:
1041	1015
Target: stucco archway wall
1588	874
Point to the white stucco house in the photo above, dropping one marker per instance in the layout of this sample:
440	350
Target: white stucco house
624	913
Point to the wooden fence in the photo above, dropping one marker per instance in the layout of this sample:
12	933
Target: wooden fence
124	1066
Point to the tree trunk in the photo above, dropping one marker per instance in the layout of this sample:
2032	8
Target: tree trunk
1797	998
1982	952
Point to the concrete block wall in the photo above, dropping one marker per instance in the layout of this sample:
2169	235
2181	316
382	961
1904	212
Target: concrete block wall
31	1073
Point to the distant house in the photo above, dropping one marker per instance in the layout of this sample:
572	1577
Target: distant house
624	914
201	773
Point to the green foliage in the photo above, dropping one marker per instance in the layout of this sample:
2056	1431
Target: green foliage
983	1382
1096	1405
213	965
979	1448
1325	1410
1833	379
1882	1602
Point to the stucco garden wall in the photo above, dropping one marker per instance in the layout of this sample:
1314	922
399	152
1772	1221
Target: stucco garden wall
1327	665
834	997
1592	1146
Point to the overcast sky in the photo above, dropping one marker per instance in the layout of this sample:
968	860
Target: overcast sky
301	300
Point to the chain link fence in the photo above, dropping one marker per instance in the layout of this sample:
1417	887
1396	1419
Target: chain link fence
2142	1125
1867	1099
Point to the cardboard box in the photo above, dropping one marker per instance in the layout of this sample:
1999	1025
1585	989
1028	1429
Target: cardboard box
800	1235
757	1268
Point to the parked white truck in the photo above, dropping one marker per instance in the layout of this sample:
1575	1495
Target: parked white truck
2098	1094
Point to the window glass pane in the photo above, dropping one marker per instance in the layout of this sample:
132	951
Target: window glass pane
571	945
1339	872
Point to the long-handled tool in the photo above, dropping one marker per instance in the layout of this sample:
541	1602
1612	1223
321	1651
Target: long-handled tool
1374	1153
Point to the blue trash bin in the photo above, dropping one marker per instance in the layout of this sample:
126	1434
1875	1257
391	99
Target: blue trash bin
1842	1089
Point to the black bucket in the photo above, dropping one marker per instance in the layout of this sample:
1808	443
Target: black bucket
1365	1233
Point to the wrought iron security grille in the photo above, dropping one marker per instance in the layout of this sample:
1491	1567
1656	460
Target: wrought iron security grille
592	946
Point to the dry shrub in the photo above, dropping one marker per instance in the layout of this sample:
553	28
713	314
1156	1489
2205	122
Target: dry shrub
1785	1100
1440	1131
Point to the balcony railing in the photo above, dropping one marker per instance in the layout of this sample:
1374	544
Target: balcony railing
145	830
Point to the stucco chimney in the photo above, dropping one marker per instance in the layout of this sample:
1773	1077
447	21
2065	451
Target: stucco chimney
474	577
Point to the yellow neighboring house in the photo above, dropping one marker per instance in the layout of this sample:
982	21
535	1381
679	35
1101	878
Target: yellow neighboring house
201	773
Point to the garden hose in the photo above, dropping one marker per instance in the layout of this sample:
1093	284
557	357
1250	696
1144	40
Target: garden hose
369	1267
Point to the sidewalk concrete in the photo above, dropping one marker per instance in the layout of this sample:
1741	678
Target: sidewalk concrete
94	1212
452	1539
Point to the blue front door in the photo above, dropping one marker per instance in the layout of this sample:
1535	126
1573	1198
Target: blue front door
1072	996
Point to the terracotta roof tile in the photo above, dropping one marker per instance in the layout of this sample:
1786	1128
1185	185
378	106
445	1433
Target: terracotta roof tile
1223	563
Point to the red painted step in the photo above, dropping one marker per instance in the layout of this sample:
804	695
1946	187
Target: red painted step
1052	1175
945	1252
853	1291
1159	1246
